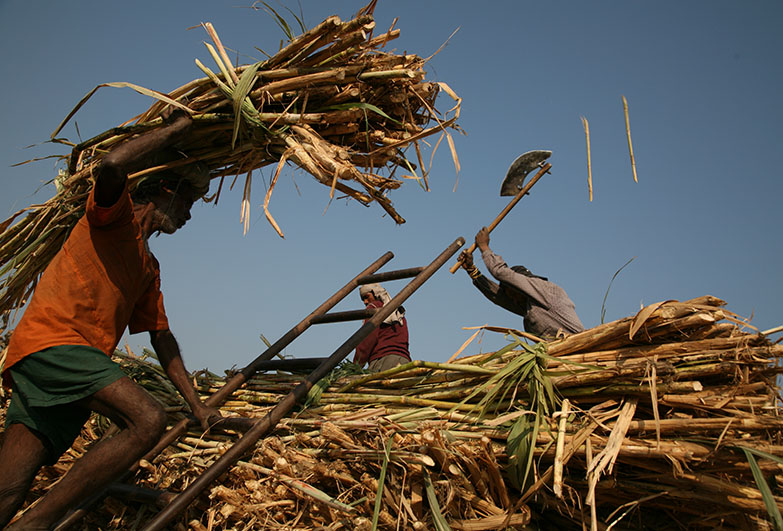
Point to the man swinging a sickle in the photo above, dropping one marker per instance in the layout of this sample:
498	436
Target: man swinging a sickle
546	308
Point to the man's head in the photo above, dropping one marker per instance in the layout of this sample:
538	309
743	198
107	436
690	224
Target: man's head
515	294
368	297
171	195
164	205
172	208
373	292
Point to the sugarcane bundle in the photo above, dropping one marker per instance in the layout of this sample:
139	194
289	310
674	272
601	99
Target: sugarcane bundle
669	417
332	102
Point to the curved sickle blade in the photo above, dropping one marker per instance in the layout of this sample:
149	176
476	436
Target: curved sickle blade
524	164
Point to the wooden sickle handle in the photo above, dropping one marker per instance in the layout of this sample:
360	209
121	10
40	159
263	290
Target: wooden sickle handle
544	169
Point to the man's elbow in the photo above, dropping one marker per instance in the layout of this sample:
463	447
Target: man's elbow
109	182
159	336
111	168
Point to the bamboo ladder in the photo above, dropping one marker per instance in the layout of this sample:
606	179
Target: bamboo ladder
255	429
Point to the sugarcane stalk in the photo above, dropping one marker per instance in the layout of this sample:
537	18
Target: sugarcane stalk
414	366
628	135
346	46
328	77
295	46
603	391
300	486
667	349
358	398
332	117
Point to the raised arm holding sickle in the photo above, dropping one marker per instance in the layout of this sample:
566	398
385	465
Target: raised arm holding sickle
103	281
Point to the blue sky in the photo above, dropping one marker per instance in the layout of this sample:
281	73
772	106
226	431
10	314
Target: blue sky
702	79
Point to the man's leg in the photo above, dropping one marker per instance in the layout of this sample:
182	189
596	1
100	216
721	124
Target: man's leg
21	456
142	422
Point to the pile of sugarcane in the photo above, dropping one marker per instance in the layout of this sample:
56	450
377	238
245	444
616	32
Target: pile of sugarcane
667	419
331	101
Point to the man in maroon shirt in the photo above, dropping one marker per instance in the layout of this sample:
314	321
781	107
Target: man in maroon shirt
387	345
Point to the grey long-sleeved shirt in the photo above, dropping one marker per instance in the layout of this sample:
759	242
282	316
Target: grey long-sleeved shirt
548	310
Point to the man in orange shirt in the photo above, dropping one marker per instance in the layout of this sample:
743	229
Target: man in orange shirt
58	364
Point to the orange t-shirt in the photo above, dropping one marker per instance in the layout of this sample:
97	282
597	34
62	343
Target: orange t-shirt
103	280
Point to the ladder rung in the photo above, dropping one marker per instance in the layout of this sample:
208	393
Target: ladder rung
295	364
338	317
390	275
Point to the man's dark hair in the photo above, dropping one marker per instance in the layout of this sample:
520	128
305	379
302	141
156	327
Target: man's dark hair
144	191
194	175
522	270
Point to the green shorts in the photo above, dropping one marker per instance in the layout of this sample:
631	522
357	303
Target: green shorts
47	383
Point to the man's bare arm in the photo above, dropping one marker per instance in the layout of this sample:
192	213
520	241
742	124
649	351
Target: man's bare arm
167	349
134	155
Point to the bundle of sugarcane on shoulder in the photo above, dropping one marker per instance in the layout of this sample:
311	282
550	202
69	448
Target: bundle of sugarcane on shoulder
332	102
666	419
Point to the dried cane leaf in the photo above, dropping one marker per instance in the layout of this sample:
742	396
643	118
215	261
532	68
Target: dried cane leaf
141	90
645	313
